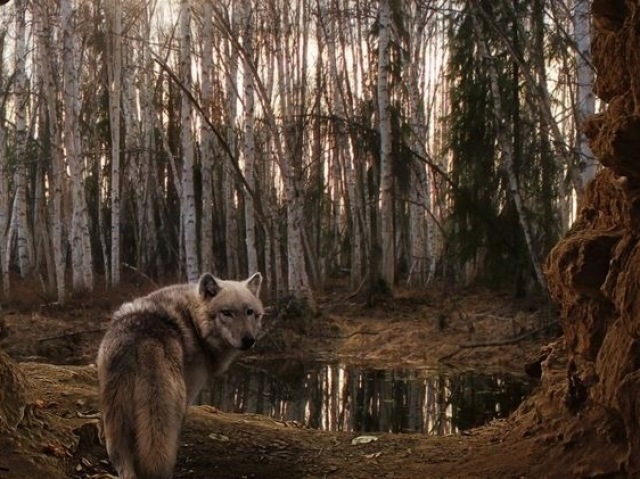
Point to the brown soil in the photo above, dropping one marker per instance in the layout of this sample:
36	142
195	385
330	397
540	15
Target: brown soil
58	435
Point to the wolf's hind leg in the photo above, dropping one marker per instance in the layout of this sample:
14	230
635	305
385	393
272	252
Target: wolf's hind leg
121	456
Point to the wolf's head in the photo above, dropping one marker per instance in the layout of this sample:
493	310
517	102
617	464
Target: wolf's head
231	312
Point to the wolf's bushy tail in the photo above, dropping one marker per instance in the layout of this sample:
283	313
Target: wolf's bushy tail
117	421
160	406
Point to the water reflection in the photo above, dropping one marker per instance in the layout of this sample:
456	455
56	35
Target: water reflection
338	397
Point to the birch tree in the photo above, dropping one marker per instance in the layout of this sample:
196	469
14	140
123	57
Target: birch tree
4	175
228	176
207	140
387	230
81	260
48	65
19	218
344	150
188	202
114	71
148	195
249	146
419	204
298	279
324	168
297	276
585	104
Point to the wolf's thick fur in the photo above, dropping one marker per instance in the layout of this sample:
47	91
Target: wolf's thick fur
156	356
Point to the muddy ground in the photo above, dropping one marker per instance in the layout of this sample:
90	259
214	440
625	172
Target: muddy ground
58	436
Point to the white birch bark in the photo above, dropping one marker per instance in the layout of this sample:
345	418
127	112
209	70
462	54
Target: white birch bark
506	148
228	179
81	261
207	141
57	167
344	110
249	146
188	203
298	283
356	41
24	241
419	190
297	277
134	179
114	72
585	104
4	199
387	270
149	178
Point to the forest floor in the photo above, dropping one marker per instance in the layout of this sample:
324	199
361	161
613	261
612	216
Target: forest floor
58	437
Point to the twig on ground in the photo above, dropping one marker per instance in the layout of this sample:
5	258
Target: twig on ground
502	342
497	342
137	271
72	334
347	336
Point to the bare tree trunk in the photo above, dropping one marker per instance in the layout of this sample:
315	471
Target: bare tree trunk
344	110
585	78
228	175
506	146
188	203
299	284
438	108
134	180
419	190
57	167
151	191
249	138
81	266
4	191
207	140
24	239
386	227
297	276
114	71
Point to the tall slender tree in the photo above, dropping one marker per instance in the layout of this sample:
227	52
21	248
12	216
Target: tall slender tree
327	119
585	102
81	257
207	140
249	146
4	176
228	181
188	203
48	66
114	69
20	222
387	230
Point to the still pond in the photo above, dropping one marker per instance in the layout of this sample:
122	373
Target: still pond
347	398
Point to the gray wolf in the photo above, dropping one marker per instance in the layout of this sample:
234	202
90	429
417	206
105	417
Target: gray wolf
155	357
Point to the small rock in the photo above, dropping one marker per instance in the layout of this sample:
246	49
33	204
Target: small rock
363	440
218	437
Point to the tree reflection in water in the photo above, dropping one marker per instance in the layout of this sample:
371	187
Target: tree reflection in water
340	397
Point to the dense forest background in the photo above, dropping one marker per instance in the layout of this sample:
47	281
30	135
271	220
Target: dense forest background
387	142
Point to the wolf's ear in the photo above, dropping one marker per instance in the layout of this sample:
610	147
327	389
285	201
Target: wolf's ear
208	287
253	283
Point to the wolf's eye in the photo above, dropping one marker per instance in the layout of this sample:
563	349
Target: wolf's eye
226	312
250	312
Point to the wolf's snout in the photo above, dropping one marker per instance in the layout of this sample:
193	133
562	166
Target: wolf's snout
248	341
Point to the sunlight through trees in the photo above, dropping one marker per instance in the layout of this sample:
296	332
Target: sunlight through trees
372	142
